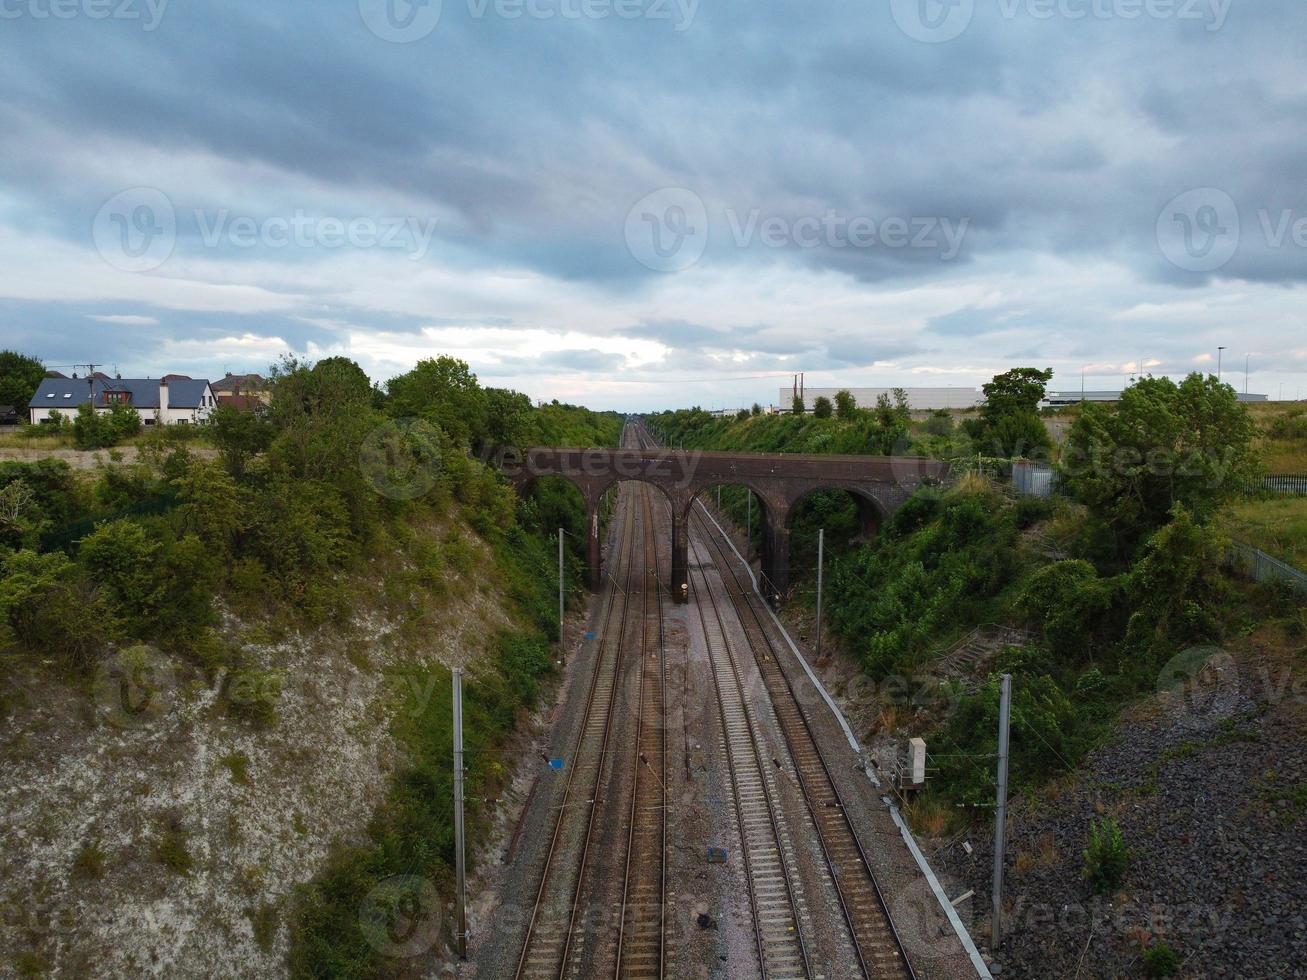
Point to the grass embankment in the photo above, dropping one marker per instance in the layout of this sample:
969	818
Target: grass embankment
1277	527
1283	438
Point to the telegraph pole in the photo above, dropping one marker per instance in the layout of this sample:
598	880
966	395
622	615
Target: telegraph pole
821	554
1000	815
461	865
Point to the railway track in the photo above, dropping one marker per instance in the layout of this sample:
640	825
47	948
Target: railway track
555	929
553	924
772	894
641	941
556	932
879	949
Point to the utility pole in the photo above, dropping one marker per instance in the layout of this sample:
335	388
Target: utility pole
821	555
1245	372
460	898
1000	815
561	603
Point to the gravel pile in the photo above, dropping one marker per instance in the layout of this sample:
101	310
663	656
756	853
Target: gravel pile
1211	795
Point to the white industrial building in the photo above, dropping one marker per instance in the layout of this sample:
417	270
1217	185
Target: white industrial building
919	399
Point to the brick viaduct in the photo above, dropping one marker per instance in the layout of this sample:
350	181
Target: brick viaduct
879	484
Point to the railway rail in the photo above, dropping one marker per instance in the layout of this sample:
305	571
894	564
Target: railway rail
553	925
879	949
641	941
772	895
556	929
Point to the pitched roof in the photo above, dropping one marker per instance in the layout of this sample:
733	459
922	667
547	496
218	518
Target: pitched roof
242	403
68	393
185	392
242	382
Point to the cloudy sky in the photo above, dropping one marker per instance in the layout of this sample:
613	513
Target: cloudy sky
649	203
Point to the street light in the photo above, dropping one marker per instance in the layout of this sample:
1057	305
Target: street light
1218	362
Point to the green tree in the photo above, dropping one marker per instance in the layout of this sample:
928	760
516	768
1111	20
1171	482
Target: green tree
756	409
1163	444
91	430
742	415
125	562
213	506
797	406
1009	423
239	436
20	376
322	414
508	417
822	407
124	422
893	413
846	406
442	390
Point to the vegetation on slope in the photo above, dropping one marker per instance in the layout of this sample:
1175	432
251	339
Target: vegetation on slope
285	527
1142	578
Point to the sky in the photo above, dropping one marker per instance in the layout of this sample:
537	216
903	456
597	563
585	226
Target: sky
642	204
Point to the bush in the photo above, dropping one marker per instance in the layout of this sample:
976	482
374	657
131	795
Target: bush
253	694
1066	601
1160	960
91	430
1106	857
49	609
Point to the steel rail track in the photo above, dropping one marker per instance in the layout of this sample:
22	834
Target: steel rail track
879	948
641	939
779	940
553	917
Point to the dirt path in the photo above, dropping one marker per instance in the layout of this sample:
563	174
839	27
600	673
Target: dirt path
89	459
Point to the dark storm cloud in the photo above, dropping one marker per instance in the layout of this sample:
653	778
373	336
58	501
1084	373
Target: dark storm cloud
1050	137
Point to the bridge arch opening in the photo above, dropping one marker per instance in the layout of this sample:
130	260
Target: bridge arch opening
546	503
657	514
739	509
848	517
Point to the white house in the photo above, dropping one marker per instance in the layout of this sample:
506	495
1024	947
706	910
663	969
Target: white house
171	400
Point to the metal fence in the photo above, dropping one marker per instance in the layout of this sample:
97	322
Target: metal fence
1282	485
1033	479
1259	565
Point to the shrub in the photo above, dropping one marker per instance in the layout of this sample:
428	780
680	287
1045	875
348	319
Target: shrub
91	430
1106	857
50	609
1066	601
1160	960
1032	510
126	562
172	848
89	861
940	423
253	694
